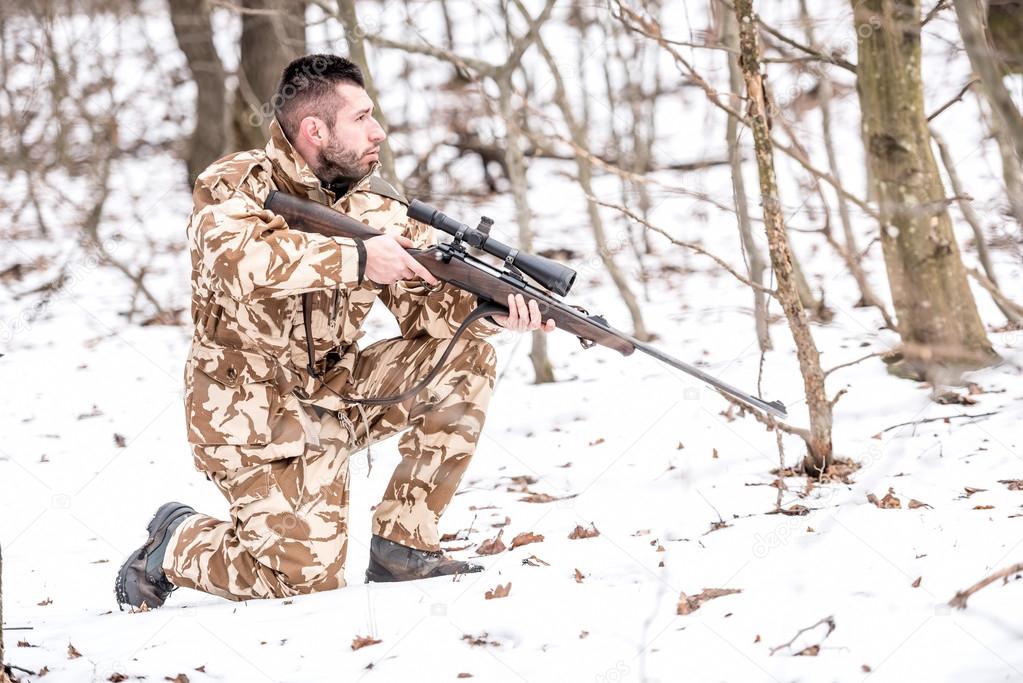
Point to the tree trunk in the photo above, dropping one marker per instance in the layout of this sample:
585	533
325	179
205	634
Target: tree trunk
755	260
974	222
515	167
4	678
194	33
1005	30
819	448
932	297
273	34
988	69
354	34
849	250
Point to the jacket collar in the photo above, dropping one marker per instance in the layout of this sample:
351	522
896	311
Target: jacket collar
292	173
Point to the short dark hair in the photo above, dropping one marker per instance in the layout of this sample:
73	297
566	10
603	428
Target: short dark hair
307	87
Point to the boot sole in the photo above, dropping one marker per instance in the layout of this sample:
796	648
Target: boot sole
164	515
377	577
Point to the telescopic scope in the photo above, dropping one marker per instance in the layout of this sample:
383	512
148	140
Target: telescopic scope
550	274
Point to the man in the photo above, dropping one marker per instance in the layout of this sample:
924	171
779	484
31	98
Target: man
268	424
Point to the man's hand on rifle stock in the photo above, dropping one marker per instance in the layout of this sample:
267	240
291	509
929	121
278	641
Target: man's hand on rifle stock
522	317
387	261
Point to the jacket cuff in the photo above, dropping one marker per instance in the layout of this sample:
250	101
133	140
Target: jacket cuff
353	261
362	259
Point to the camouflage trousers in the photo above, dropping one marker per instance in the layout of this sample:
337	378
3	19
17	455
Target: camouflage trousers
288	532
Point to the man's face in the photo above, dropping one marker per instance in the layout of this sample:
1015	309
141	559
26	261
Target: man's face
353	144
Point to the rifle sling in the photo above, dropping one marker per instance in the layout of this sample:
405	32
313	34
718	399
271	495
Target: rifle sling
481	311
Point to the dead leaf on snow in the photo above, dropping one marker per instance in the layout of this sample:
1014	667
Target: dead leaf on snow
889	502
44	603
498	592
493	546
72	653
583	634
498	525
464	675
970	490
25	643
597	442
580	532
914	504
359	642
687	604
916	583
579	576
120	441
180	678
117	677
953	398
534	561
811	651
480	640
525	538
983	507
1012	484
538	498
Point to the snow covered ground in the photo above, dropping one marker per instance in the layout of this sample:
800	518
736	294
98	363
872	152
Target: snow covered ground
680	489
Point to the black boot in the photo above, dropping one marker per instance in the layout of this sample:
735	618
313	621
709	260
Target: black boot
389	561
141	580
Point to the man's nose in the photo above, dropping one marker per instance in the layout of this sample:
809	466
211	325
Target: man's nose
377	133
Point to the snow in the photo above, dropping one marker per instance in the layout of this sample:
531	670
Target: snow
679	488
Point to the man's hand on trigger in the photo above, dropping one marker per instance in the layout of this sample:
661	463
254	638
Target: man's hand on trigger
387	261
522	317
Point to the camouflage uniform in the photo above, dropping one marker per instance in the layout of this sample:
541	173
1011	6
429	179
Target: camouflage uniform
249	399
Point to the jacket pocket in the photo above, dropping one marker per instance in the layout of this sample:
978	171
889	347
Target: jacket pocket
233	397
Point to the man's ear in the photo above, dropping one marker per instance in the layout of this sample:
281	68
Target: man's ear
313	131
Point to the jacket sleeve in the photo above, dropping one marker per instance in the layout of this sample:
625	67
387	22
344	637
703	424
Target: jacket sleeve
434	311
248	252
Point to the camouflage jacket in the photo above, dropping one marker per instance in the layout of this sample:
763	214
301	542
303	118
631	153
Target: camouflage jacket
246	376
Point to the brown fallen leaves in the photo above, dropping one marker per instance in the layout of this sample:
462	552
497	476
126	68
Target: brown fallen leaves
579	576
180	678
687	604
889	502
1012	484
492	546
525	538
581	532
480	640
72	652
359	642
498	592
892	502
538	498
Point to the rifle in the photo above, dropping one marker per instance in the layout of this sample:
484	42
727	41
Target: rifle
451	262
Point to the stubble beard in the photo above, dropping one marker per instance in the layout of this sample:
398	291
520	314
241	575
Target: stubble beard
338	163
